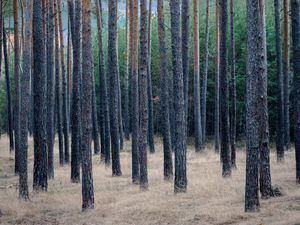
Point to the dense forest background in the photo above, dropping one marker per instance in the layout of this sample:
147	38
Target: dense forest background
240	38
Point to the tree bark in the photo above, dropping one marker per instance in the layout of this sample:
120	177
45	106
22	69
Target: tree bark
180	184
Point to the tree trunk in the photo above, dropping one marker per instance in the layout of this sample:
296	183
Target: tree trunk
197	110
280	110
50	90
76	108
232	88
86	116
114	87
95	118
64	87
286	77
17	84
204	86
1	36
164	79
149	81
295	17
8	95
217	82
40	181
180	184
25	103
134	91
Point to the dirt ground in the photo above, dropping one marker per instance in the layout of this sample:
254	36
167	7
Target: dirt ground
210	198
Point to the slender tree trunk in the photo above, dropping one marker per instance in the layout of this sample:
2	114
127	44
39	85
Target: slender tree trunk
25	103
232	88
217	82
114	89
197	110
50	90
69	72
280	110
40	181
104	104
164	79
95	119
134	91
180	184
286	77
204	86
64	87
86	116
8	95
57	85
149	81
17	84
1	35
126	79
295	17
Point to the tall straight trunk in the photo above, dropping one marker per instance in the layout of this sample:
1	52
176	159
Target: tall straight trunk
25	103
143	96
280	110
1	35
69	70
204	85
40	181
64	87
126	76
114	88
76	108
256	106
17	84
149	82
185	31
197	110
104	104
232	88
87	102
95	133
8	93
286	77
164	93
217	83
224	108
57	86
134	90
180	184
50	90
295	17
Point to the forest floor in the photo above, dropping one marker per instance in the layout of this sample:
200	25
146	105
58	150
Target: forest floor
210	198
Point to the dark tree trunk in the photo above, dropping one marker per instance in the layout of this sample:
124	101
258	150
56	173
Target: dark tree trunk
295	17
17	84
164	89
204	85
8	95
25	103
185	20
224	108
50	90
69	72
232	88
280	110
95	119
143	96
197	110
86	116
114	87
1	36
57	86
217	83
40	181
286	77
64	87
149	85
180	184
76	108
134	91
104	104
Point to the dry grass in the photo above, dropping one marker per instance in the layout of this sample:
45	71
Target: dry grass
210	198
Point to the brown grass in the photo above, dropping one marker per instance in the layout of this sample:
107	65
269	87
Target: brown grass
210	198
